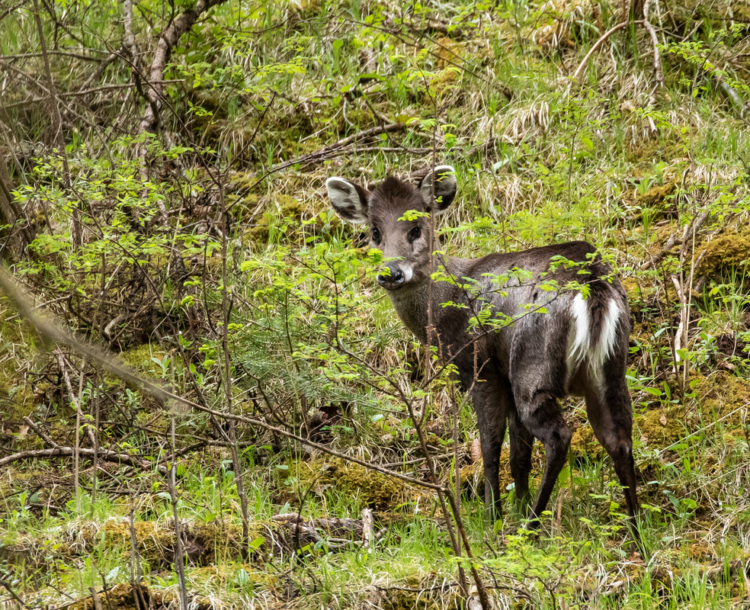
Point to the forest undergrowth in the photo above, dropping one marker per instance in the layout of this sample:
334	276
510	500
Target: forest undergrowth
253	426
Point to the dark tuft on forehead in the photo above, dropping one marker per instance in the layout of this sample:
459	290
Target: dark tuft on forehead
393	188
394	195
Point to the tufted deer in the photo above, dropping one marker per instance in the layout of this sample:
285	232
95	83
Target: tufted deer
577	346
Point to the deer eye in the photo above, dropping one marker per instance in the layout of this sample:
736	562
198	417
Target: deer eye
376	236
415	234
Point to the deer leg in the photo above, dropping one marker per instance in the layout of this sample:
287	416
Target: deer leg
521	444
541	416
490	406
611	416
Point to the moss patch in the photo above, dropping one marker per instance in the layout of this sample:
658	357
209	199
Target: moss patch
403	600
373	489
661	427
730	250
472	478
657	195
700	551
286	215
241	183
155	541
723	395
139	357
120	596
690	11
646	152
288	209
203	542
584	443
632	287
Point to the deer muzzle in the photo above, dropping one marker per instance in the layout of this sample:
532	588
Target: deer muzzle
393	279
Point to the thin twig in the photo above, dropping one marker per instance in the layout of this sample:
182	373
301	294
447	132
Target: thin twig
225	305
658	73
136	575
9	10
6	585
95	599
80	419
673	240
582	66
179	565
100	69
52	52
73	398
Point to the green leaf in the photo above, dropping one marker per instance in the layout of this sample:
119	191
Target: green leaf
497	527
411	215
242	578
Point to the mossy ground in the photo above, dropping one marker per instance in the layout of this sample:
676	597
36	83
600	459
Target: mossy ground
725	253
367	488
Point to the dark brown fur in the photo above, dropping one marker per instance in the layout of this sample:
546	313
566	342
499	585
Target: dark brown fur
519	373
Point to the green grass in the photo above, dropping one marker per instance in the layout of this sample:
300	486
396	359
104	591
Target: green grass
581	553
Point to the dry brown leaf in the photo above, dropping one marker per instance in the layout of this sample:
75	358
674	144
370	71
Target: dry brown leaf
476	451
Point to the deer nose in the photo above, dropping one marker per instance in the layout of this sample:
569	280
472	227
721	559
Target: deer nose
394	278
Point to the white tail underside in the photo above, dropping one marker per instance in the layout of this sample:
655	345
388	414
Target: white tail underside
580	346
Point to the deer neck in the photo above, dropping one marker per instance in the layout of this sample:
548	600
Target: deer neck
412	303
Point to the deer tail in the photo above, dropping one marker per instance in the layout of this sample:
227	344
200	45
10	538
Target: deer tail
595	324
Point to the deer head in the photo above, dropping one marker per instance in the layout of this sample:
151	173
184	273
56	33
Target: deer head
398	216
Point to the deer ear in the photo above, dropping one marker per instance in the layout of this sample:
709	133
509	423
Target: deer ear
445	187
348	199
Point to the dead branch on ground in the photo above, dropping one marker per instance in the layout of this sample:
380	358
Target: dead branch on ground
103	454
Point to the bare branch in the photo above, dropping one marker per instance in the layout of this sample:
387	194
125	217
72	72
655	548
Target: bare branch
43	435
658	73
104	454
57	123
